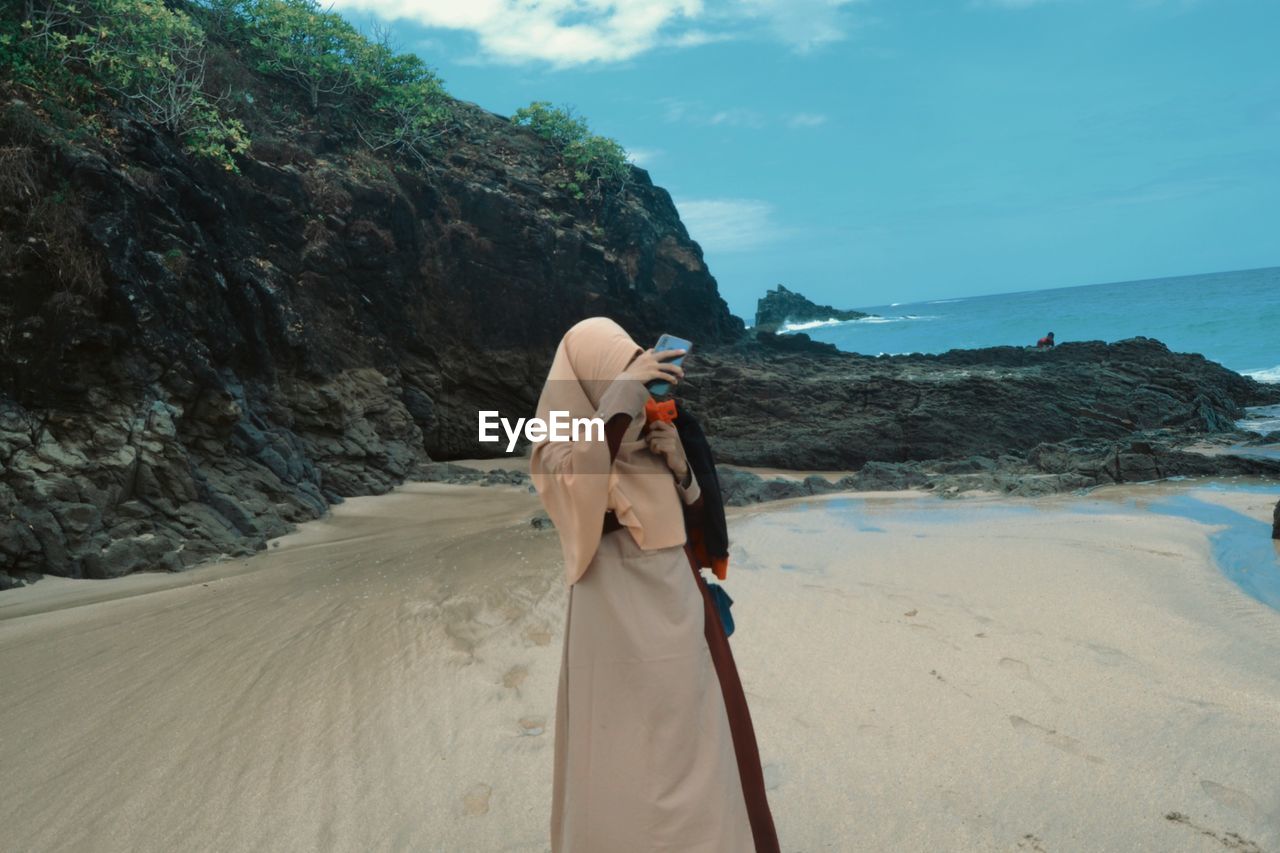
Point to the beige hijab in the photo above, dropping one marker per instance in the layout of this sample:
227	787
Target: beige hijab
574	478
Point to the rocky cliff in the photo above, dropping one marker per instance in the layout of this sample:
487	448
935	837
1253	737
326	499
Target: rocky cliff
191	359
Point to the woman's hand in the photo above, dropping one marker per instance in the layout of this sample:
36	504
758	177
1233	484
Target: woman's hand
664	439
651	365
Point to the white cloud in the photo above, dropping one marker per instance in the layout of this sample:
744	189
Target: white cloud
736	118
693	112
697	38
1012	4
807	120
729	224
561	32
803	24
574	32
643	157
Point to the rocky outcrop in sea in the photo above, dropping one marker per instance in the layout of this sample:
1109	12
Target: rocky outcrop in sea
781	306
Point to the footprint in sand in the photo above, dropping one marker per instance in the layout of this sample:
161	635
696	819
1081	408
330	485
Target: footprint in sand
872	731
1108	655
1237	801
1051	737
515	677
1017	667
1031	842
539	635
532	726
1022	670
476	799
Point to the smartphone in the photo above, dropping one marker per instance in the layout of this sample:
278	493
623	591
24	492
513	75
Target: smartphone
658	387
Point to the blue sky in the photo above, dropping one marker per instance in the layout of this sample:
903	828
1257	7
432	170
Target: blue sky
873	151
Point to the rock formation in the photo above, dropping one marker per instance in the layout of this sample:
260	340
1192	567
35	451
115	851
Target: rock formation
780	306
805	406
193	360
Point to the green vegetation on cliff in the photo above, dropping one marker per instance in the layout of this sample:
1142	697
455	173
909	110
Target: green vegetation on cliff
179	65
595	164
170	62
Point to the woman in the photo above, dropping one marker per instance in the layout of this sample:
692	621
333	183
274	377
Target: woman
644	747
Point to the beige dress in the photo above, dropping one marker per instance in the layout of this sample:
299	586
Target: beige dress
644	754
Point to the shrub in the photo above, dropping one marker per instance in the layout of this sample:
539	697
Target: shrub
17	173
141	52
151	55
406	105
296	40
596	165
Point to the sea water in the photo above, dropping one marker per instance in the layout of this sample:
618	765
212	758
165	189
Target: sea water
1232	318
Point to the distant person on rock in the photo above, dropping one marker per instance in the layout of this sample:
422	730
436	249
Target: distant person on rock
1046	341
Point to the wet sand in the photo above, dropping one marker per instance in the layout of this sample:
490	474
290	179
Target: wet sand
1050	674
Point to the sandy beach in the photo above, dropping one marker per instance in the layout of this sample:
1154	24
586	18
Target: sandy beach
1057	674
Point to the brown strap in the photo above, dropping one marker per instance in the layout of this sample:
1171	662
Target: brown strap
744	736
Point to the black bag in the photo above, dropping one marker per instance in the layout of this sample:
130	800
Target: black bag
723	603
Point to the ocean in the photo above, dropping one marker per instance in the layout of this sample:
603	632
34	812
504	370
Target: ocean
1231	317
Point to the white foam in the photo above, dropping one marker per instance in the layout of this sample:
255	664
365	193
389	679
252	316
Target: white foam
873	320
900	319
1269	374
1260	419
812	324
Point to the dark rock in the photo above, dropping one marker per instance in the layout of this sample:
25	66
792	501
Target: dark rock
829	410
243	350
781	306
739	488
793	342
455	474
1275	522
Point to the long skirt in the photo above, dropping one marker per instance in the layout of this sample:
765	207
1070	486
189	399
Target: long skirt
654	748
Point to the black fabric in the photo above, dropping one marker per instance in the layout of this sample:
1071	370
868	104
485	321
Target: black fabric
715	532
